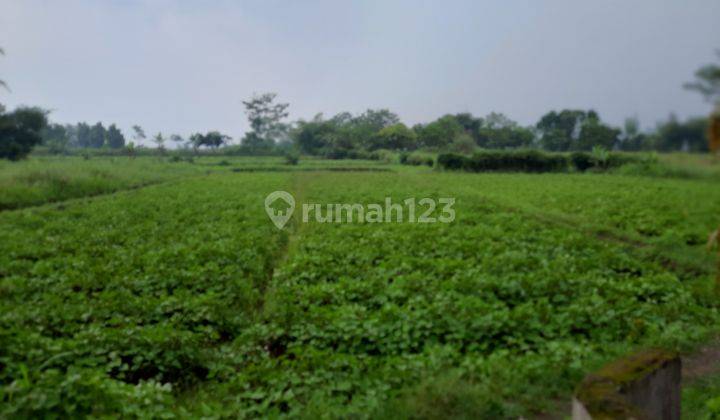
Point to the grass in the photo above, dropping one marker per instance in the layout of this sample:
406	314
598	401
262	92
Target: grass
41	180
701	399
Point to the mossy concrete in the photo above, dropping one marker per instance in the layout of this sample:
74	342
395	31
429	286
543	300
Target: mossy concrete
644	385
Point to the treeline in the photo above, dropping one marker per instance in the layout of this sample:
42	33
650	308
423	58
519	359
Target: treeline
347	136
82	135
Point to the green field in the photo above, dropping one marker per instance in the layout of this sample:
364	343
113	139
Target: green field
153	288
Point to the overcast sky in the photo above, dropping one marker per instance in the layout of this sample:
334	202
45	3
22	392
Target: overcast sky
180	66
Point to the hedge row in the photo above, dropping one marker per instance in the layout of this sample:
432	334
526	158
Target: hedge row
416	159
531	161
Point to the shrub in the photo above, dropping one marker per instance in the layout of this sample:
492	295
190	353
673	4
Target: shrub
417	159
616	160
20	132
516	161
292	158
387	156
451	161
602	160
535	161
582	161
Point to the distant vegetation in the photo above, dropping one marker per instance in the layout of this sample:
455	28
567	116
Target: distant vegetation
358	136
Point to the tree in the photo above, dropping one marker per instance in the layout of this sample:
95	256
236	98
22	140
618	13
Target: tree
439	133
632	139
177	139
500	132
469	123
575	130
463	143
2	82
707	82
594	133
159	140
265	118
138	133
115	138
345	135
212	139
374	119
83	135
312	137
97	135
20	131
394	137
55	137
687	136
560	130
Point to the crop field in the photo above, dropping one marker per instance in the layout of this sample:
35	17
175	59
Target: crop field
151	288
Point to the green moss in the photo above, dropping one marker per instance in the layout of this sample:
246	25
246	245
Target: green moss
602	392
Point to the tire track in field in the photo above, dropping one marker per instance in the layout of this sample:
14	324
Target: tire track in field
288	238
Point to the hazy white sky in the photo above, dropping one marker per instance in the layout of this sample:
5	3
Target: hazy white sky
184	66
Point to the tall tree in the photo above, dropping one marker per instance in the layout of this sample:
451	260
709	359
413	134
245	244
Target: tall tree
83	135
138	133
572	129
500	132
394	137
159	140
689	135
55	137
177	139
707	82
212	139
97	135
115	138
440	132
2	82
265	118
632	139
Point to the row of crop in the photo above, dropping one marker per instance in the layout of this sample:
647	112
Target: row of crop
534	161
672	213
114	307
360	314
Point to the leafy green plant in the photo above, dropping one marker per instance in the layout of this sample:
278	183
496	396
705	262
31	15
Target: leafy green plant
600	157
292	158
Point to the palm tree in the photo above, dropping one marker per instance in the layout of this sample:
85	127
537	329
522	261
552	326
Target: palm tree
2	82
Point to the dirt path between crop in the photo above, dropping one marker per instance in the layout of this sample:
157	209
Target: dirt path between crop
288	238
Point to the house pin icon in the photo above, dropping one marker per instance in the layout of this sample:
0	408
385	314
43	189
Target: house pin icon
279	206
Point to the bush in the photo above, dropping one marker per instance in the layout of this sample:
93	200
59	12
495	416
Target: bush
509	161
292	158
582	161
20	132
386	156
417	159
452	161
534	161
